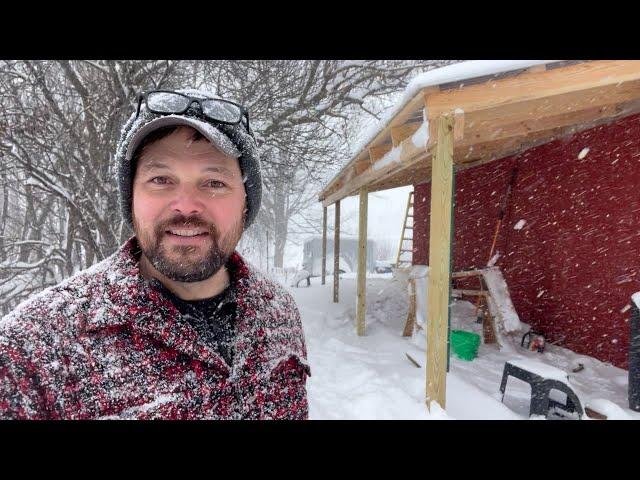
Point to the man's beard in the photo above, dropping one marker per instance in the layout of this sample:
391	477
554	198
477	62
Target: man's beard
185	263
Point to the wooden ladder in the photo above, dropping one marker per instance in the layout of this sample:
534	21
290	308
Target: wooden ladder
402	248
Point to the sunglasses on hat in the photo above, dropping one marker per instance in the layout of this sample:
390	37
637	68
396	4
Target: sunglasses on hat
169	102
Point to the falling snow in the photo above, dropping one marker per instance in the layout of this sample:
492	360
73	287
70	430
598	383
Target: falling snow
583	153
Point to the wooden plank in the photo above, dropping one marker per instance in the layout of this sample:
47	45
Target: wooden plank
365	179
350	173
572	108
411	314
433	134
334	197
533	85
533	95
484	153
497	149
409	113
439	289
526	127
467	153
362	263
347	172
470	293
336	184
563	125
410	154
504	119
489	329
412	360
458	125
360	167
336	252
413	106
593	414
401	132
467	273
501	141
416	177
554	105
324	244
409	176
376	153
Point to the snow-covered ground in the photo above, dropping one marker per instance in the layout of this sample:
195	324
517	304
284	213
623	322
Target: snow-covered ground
371	377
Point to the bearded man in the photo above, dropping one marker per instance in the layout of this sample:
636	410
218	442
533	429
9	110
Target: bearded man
176	324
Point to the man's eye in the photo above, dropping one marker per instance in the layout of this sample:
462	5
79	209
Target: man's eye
215	184
159	180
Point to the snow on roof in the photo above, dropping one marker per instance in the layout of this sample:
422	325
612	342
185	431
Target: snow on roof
451	73
464	71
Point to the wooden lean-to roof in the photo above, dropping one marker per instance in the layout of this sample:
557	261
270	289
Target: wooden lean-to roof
495	116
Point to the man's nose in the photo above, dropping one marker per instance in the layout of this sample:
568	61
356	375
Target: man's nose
187	201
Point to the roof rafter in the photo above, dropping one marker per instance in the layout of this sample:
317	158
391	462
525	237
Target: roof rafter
493	119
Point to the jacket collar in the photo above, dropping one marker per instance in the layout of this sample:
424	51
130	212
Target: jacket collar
131	299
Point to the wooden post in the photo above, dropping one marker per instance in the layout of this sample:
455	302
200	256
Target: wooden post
324	244
336	253
362	262
409	325
439	290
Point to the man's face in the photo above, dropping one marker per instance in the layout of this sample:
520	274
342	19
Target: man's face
188	206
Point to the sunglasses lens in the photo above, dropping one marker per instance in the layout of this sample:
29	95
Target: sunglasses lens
221	111
166	102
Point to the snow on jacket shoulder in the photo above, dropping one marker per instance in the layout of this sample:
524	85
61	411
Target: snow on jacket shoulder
106	344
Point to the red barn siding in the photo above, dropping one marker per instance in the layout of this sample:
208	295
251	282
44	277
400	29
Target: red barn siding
573	266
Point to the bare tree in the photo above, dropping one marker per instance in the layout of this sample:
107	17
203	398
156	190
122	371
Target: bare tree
59	123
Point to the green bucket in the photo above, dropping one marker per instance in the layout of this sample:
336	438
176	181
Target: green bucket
465	344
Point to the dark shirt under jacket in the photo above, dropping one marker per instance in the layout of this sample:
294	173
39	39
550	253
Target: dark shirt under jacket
213	318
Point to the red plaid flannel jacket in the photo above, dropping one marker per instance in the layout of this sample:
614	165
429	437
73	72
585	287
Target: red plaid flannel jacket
106	344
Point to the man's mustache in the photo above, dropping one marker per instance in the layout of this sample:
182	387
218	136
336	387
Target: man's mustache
182	221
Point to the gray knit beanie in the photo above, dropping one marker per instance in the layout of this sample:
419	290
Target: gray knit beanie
233	140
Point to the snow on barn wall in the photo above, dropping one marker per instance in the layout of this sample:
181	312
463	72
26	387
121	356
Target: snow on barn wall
569	246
